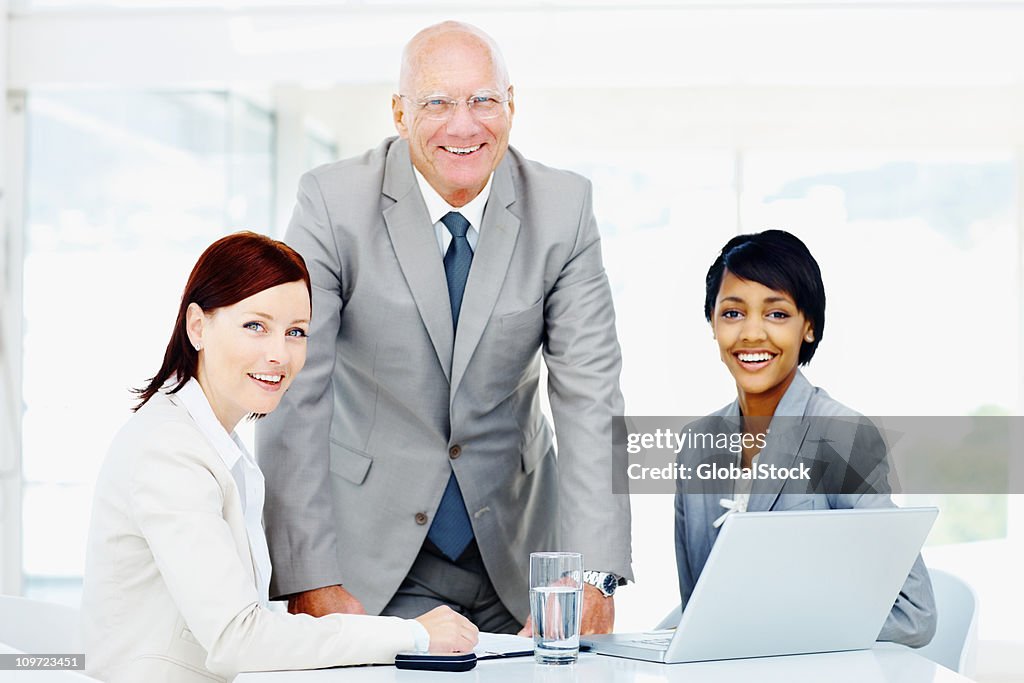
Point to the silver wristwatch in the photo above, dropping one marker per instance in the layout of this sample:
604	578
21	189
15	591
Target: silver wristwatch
606	582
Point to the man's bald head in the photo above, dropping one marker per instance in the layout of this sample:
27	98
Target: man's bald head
455	147
441	36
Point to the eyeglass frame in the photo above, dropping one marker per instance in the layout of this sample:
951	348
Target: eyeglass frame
453	104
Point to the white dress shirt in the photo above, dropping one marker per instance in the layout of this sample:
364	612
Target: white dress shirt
437	207
246	473
740	496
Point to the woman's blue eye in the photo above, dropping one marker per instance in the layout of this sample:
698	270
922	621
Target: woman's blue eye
731	314
296	332
778	315
254	326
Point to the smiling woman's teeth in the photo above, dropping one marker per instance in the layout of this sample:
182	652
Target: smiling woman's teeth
273	379
462	150
754	357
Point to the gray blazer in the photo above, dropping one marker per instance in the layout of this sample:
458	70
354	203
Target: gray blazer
358	453
912	619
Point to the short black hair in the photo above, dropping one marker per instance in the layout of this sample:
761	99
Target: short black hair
780	261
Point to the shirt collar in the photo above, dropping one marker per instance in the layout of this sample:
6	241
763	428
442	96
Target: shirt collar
197	405
798	394
437	207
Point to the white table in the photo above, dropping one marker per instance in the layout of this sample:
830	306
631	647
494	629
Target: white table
863	666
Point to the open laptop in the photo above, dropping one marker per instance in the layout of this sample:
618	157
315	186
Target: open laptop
781	583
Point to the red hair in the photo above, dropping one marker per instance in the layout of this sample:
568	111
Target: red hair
231	269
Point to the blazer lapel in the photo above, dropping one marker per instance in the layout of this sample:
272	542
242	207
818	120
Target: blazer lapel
493	254
415	246
703	496
784	443
785	440
215	461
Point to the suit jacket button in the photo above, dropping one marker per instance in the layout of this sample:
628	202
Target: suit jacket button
455	451
421	518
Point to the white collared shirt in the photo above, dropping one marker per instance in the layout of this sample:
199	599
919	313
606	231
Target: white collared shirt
437	207
246	473
740	493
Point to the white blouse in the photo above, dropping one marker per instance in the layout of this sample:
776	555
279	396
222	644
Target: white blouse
246	473
740	496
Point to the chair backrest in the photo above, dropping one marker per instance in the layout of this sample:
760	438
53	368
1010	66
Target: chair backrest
956	634
671	619
36	627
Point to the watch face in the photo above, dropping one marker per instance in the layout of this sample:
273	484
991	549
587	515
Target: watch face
605	582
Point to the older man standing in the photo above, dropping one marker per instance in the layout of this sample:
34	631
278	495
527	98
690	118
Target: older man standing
410	464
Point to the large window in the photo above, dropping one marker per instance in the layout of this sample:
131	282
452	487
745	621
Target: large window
920	251
124	190
920	254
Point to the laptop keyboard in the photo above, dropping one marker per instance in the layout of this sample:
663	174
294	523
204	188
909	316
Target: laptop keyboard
651	643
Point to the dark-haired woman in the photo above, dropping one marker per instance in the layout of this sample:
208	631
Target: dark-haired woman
177	568
766	304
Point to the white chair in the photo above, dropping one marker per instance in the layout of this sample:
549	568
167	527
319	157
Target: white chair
671	619
38	627
956	634
34	627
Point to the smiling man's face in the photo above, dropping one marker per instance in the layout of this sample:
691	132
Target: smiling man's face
456	155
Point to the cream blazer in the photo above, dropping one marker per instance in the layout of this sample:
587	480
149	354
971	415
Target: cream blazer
169	591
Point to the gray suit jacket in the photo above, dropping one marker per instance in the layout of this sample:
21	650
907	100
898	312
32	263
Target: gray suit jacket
816	443
357	455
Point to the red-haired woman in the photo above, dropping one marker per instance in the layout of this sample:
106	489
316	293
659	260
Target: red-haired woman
177	569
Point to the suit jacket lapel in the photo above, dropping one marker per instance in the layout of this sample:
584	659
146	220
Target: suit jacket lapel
785	440
705	507
416	248
491	259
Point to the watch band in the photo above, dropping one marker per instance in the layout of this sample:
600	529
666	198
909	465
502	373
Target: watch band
606	582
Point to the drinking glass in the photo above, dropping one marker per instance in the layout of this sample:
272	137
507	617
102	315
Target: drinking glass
556	602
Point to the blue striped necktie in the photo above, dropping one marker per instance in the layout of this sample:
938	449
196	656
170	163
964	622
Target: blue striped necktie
451	530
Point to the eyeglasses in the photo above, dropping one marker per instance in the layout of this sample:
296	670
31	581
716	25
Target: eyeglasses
441	108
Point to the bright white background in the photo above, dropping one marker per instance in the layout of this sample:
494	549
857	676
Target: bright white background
887	135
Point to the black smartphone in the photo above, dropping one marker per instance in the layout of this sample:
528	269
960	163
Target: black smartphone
459	661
